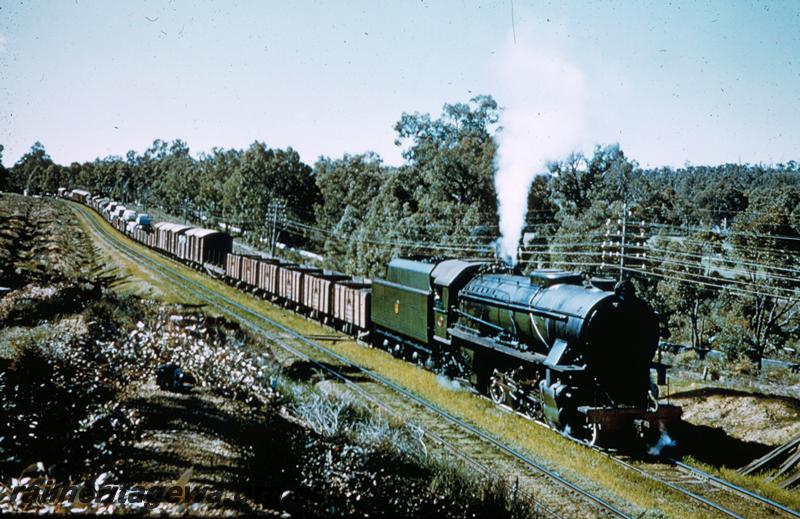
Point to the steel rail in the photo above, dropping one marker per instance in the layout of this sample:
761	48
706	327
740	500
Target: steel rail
736	488
725	485
347	362
678	488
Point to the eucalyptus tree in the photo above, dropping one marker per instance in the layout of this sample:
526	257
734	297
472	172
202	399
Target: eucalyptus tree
264	177
686	292
453	157
3	172
29	171
765	254
347	188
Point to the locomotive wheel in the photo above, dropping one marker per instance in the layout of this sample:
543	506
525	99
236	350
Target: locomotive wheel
496	391
595	434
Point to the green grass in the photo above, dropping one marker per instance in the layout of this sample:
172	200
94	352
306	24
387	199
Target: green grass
133	278
539	442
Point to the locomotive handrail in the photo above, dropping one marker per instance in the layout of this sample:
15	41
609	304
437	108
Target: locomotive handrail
512	306
479	320
530	356
406	288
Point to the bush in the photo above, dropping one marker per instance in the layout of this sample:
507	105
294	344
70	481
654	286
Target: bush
783	376
686	357
743	365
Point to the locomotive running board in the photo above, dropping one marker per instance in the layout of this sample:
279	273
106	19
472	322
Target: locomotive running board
608	415
489	344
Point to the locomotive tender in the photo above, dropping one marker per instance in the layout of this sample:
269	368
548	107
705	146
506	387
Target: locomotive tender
551	345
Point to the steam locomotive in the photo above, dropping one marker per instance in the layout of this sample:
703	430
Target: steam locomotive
572	353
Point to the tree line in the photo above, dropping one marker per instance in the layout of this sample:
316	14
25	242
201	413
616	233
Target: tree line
715	248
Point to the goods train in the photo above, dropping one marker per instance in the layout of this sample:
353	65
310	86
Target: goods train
573	353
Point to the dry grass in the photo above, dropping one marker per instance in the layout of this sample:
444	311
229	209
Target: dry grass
343	418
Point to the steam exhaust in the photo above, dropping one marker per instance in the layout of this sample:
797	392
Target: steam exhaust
664	442
544	118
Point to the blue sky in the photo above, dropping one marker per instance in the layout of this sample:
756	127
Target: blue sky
703	82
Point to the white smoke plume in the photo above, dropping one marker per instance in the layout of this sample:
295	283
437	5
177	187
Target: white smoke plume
664	441
448	383
544	119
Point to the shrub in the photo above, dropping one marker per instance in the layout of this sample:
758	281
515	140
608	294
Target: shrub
686	357
783	376
743	365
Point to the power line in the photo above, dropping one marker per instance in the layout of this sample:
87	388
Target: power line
540	255
559	245
714	278
337	236
713	285
734	268
739	211
730	232
736	247
408	244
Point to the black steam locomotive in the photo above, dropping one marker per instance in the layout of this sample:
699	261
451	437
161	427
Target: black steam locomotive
552	345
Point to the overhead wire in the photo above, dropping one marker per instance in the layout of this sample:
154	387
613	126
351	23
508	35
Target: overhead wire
730	232
556	249
713	285
726	281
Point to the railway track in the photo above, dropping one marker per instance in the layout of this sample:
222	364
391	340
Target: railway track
714	494
454	435
696	484
728	486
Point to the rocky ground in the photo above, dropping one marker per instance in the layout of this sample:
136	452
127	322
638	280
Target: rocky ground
85	427
732	417
761	410
743	414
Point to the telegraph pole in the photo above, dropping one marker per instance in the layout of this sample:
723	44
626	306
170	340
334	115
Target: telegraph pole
274	234
622	238
611	247
623	187
275	207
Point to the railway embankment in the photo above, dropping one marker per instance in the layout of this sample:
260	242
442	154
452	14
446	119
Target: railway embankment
79	378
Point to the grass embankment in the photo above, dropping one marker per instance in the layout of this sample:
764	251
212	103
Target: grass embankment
133	278
756	482
573	459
